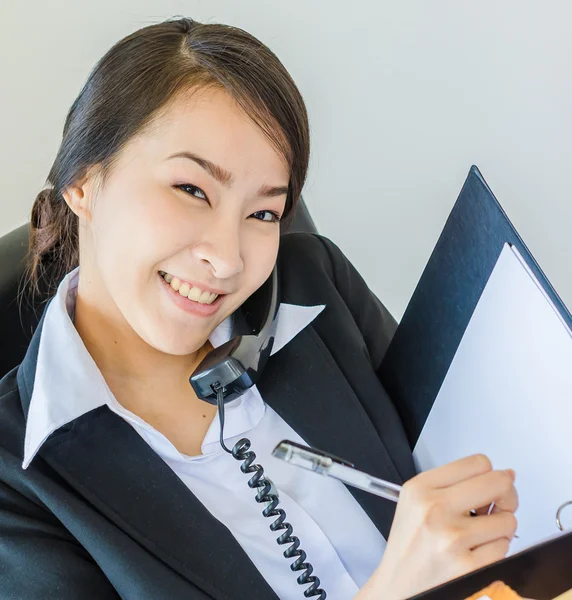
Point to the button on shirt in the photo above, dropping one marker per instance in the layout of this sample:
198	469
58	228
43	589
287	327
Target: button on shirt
341	542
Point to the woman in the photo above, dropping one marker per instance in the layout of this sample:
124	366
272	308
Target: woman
185	149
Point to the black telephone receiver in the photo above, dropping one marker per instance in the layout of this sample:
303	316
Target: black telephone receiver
229	371
236	365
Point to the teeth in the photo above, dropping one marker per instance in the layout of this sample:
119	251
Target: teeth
205	297
192	293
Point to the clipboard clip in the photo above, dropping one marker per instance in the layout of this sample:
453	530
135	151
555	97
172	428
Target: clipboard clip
559	513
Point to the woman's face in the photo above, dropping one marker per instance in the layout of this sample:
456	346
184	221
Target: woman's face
194	197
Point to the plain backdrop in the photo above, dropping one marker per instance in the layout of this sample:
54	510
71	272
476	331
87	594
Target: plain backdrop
403	97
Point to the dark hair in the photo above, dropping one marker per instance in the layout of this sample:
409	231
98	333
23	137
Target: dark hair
136	79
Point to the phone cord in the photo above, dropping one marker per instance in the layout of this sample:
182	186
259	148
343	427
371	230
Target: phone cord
241	451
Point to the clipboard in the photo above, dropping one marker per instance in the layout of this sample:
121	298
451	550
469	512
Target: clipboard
541	572
421	351
425	343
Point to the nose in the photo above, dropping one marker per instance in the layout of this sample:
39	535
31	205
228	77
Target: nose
221	248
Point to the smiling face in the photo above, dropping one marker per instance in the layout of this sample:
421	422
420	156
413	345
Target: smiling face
192	200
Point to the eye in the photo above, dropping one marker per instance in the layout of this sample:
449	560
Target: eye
267	215
193	190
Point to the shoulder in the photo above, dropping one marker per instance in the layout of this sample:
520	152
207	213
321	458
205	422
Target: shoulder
307	263
313	248
313	270
12	435
12	421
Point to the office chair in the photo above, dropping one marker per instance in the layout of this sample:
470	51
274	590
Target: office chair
19	317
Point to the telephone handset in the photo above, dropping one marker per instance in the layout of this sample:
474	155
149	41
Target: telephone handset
229	371
236	365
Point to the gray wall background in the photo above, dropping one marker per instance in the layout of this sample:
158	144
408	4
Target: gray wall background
403	97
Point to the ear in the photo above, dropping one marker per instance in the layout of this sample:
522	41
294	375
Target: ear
79	198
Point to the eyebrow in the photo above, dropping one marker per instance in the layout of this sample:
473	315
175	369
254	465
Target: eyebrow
226	177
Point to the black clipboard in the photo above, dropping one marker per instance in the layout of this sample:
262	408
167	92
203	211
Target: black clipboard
423	348
427	338
541	572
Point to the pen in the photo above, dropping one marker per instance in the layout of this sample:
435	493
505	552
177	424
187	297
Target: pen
332	466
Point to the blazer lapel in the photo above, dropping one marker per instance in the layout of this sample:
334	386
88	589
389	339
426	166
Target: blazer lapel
304	385
107	462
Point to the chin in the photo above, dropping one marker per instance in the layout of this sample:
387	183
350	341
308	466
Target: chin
174	341
177	347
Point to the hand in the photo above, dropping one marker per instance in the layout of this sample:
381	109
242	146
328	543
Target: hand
434	538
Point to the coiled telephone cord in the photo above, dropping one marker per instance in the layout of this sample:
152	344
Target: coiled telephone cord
241	451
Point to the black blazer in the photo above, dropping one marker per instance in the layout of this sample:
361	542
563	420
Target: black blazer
98	515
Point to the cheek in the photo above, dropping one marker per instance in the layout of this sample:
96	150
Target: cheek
136	229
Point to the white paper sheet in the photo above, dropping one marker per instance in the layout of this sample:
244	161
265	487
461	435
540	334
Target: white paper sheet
508	394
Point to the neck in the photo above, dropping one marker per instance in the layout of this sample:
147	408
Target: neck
142	378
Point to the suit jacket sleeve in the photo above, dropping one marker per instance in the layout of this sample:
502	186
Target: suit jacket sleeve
38	554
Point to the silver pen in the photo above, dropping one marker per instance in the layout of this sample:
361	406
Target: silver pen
332	466
338	468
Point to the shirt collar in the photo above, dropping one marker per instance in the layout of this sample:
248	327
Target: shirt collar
68	383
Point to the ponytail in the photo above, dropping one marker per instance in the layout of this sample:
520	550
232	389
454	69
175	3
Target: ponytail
53	247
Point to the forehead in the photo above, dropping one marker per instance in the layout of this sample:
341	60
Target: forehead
211	123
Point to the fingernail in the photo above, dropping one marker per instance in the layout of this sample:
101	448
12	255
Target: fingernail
512	473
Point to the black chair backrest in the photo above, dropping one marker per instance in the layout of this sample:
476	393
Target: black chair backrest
19	316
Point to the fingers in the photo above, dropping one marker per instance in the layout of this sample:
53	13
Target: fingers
455	472
481	531
485	510
483	490
489	553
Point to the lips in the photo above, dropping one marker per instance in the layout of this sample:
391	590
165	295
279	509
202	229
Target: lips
188	290
191	307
